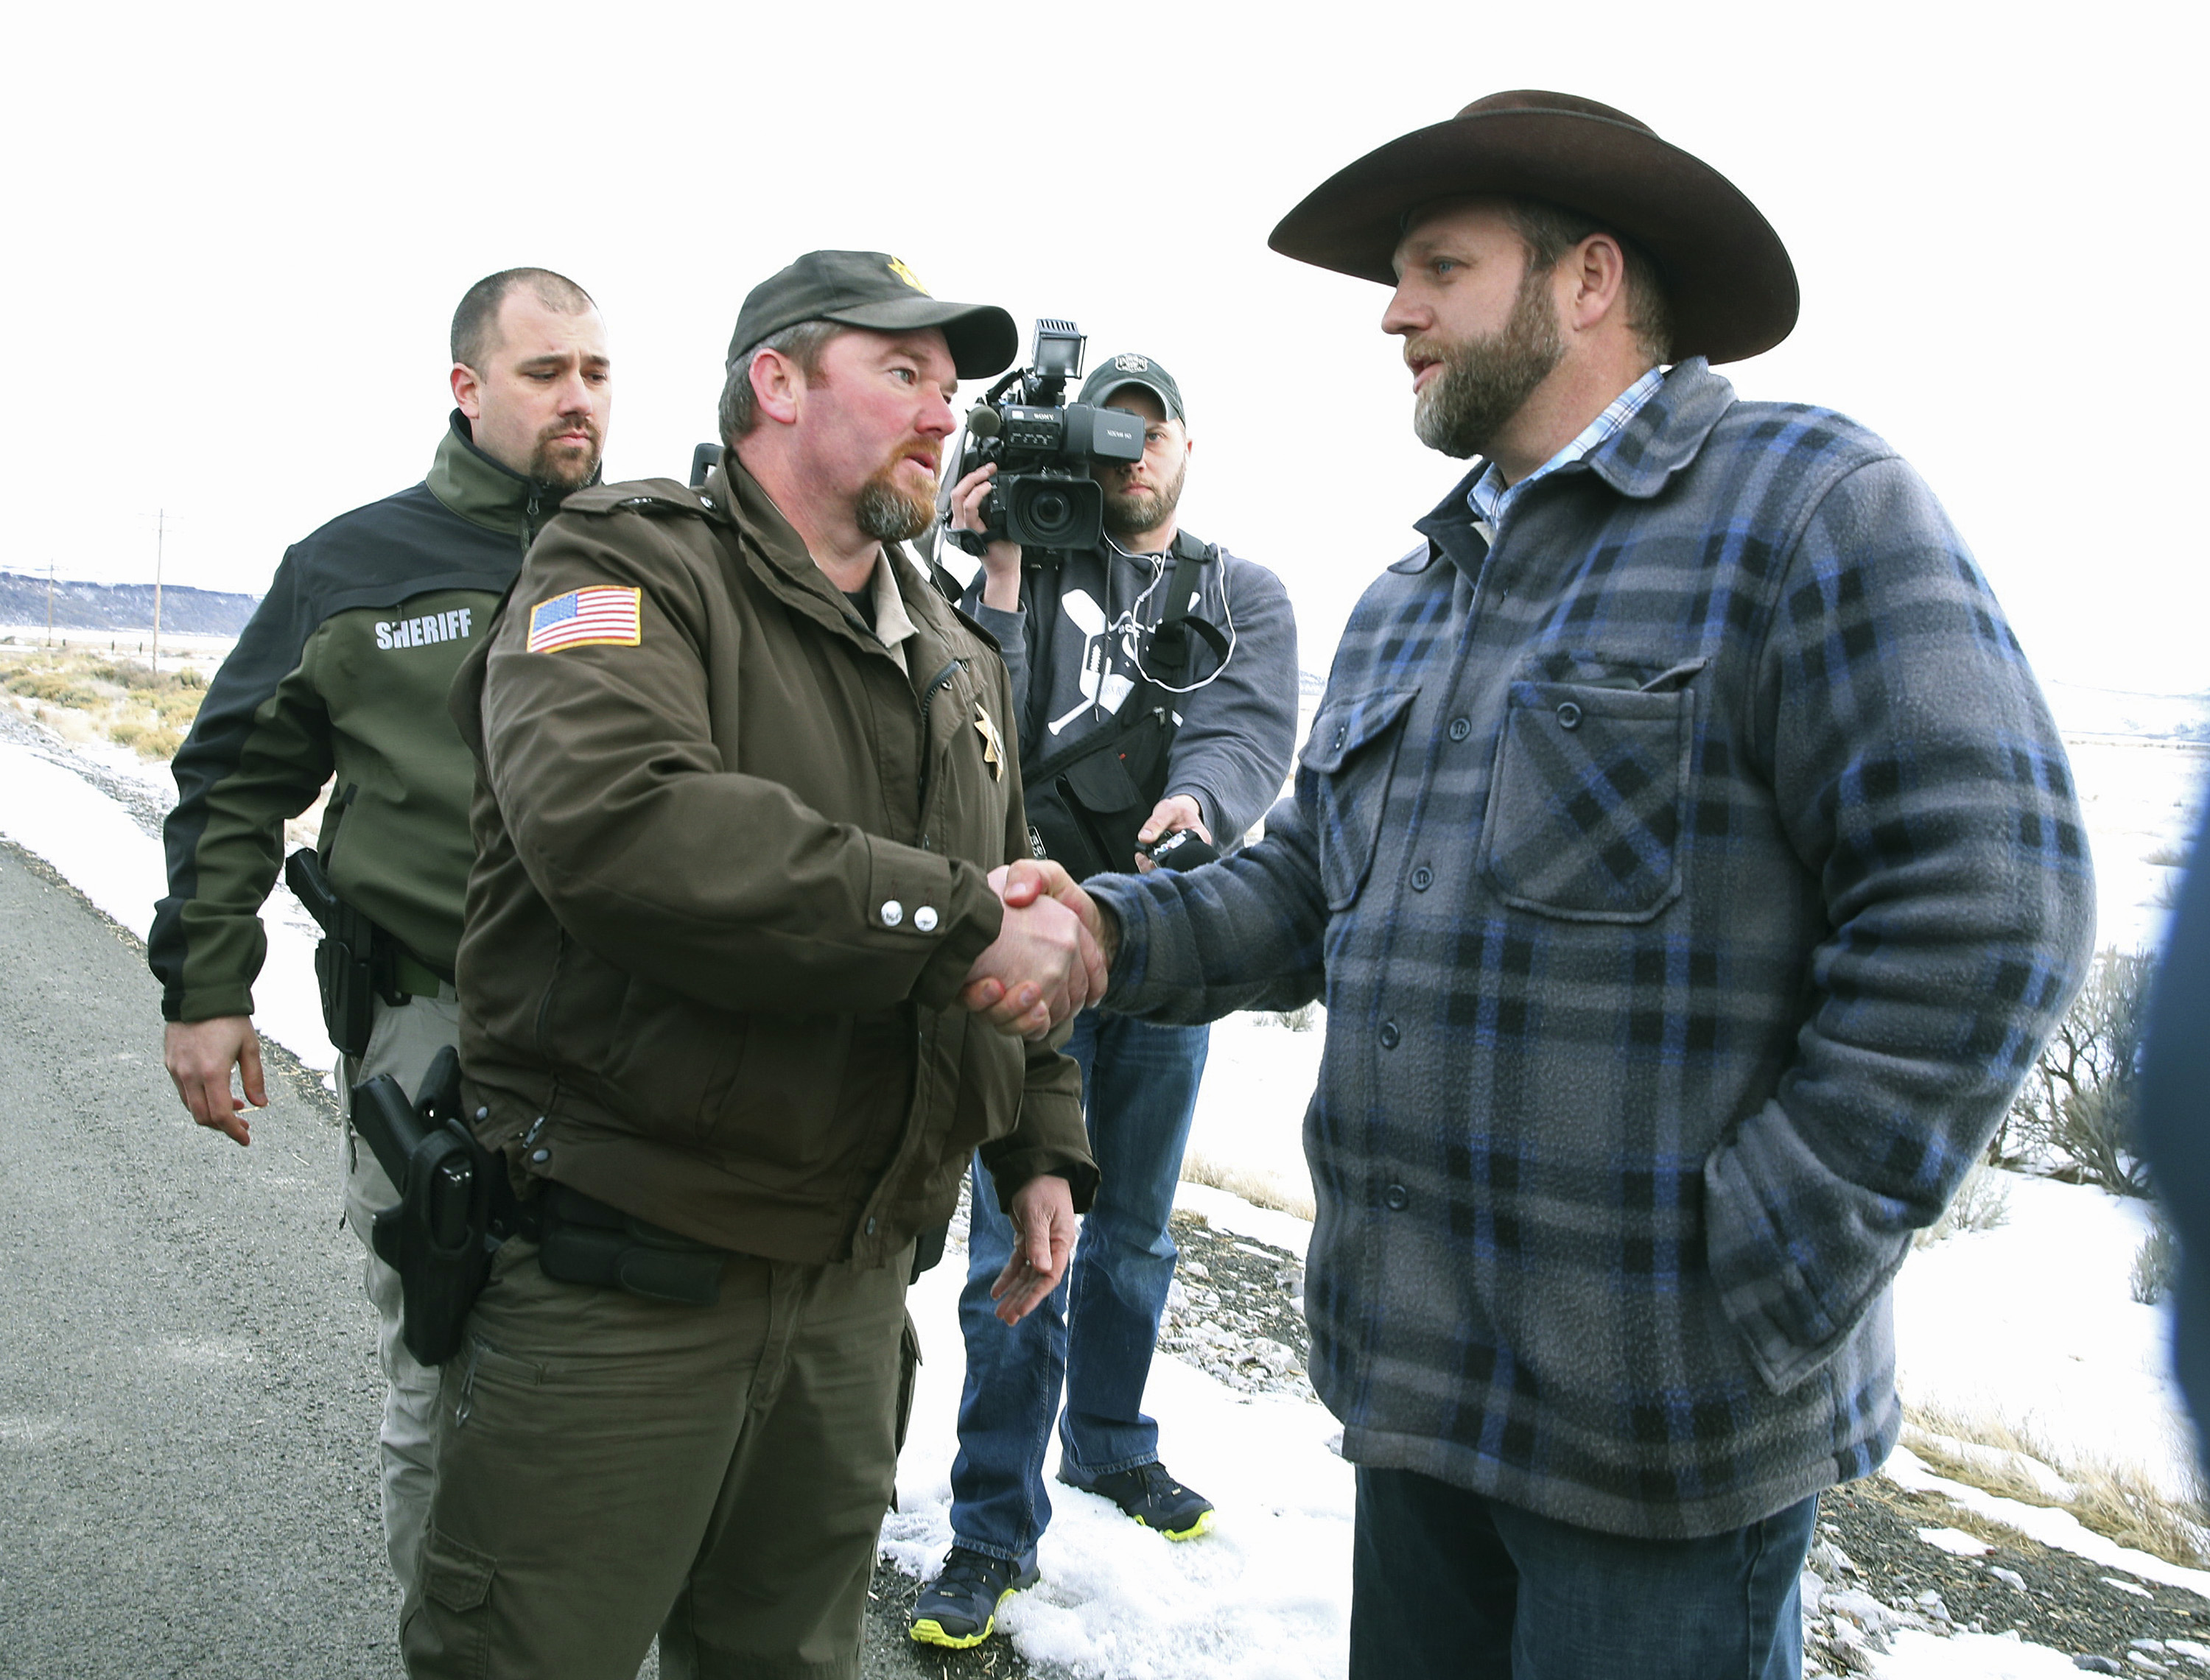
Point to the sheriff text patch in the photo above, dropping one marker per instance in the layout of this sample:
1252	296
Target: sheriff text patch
451	626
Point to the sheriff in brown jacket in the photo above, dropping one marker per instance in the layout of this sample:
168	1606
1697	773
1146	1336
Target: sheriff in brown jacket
745	784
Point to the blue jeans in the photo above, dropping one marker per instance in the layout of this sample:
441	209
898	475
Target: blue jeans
1097	1331
1447	1583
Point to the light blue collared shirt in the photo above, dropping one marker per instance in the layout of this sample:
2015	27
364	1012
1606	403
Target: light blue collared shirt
1491	496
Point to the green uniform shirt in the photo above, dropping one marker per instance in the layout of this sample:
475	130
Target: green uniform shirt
343	671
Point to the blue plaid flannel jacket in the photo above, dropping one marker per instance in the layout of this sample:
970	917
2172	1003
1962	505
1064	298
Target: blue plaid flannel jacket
1691	878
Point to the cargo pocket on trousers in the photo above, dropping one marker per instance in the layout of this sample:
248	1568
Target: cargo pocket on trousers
455	1574
448	1629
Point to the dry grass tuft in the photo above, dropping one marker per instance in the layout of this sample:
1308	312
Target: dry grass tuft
1262	1190
2118	1500
89	696
1981	1203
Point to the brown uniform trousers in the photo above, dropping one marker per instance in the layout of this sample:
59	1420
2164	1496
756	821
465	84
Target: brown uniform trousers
609	1465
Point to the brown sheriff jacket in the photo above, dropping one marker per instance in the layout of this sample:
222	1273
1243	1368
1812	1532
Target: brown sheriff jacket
730	877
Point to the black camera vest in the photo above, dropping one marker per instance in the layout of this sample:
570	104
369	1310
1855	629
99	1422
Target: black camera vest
1088	800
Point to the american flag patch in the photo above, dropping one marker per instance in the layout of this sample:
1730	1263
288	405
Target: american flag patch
583	617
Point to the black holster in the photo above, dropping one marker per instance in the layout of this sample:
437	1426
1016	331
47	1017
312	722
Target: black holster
455	1205
352	964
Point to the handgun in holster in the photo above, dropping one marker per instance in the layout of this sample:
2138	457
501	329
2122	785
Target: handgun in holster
352	964
455	1206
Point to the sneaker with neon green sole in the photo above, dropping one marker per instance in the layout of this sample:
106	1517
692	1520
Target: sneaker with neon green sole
1147	1493
959	1609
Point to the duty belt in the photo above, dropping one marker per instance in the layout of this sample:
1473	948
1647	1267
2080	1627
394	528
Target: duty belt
581	1239
456	1206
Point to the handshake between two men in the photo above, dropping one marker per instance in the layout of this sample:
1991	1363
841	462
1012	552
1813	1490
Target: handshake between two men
1049	960
1047	964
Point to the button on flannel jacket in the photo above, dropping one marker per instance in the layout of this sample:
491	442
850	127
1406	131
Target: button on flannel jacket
1690	880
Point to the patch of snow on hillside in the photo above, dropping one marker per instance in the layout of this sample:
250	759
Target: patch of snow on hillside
2034	1324
2059	1530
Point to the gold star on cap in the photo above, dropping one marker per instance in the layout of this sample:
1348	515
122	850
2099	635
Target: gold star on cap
994	748
898	267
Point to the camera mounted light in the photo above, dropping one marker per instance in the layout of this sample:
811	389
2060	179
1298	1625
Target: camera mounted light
1056	353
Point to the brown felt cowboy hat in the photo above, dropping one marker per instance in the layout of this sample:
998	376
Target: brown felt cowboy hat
1728	279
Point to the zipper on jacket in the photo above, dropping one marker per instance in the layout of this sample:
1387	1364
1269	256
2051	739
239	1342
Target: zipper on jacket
936	684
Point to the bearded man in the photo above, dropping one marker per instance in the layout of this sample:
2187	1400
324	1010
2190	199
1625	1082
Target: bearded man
1155	683
342	673
1692	870
744	793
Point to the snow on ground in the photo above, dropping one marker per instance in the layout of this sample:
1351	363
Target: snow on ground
2034	1324
1920	1656
55	813
1248	1131
2060	1531
2139	797
200	652
48	809
1265	1596
2031	1321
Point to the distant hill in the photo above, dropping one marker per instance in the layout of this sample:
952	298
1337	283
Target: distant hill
122	606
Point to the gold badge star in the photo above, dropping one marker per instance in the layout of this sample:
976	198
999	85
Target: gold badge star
898	267
994	748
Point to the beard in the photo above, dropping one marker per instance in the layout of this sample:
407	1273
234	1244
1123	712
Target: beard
1485	382
888	514
563	466
1130	513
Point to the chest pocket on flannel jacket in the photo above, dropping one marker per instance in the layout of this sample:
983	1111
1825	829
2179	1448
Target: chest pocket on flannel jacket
1350	754
1588	796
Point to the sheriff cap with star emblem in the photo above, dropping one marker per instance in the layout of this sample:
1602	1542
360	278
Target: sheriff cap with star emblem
1128	369
867	288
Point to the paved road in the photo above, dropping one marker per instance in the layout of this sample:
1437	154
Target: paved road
187	1372
188	1390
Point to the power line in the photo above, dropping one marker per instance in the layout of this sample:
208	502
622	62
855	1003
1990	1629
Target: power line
160	529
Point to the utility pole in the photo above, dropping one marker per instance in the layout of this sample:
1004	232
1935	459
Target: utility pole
49	603
160	527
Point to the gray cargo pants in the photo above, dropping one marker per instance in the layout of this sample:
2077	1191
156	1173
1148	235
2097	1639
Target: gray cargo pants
403	1039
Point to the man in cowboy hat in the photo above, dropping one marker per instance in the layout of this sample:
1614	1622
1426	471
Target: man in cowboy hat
1691	868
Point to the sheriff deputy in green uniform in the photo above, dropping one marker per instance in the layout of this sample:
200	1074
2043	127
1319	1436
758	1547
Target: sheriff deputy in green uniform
343	672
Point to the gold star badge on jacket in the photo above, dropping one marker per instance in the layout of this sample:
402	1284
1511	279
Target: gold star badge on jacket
994	748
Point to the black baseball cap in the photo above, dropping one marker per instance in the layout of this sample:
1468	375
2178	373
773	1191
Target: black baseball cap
867	288
1128	369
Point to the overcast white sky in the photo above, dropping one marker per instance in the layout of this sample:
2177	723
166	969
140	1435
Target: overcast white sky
239	234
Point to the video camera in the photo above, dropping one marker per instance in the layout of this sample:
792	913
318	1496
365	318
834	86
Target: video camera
1043	496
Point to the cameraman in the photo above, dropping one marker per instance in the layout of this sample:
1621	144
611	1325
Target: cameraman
1155	683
